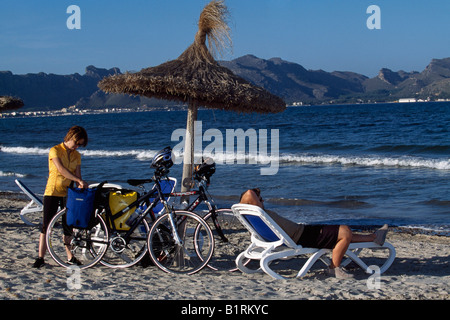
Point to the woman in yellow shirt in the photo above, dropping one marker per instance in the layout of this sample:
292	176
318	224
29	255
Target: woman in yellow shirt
64	164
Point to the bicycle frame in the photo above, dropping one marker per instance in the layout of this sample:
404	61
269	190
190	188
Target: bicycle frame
156	194
203	196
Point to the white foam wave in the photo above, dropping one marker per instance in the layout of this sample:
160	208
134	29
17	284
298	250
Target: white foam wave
25	150
325	159
369	161
243	158
11	174
139	154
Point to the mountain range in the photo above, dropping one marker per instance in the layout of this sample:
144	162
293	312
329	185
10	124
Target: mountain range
291	81
294	83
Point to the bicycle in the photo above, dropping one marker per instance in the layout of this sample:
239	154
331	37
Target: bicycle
88	245
231	237
177	241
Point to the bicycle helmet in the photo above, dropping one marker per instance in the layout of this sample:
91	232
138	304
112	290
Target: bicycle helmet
163	159
205	170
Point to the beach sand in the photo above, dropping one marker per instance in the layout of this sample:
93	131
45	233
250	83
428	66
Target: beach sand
420	271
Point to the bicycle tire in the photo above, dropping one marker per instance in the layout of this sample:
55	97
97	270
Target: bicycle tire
87	245
124	253
237	239
197	243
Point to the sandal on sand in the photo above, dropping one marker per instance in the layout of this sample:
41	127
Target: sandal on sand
339	273
381	235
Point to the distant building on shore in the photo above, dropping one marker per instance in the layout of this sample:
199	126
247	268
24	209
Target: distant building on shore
405	100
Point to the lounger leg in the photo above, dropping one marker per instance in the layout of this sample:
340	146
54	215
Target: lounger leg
30	208
390	259
310	262
348	260
266	260
353	255
240	265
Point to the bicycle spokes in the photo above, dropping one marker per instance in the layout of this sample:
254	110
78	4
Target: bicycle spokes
177	249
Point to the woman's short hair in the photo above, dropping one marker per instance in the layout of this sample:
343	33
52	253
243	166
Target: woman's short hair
77	133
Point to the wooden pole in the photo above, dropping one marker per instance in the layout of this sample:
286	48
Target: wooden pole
188	160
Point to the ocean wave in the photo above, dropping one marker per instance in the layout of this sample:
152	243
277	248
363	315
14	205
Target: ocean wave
139	154
417	149
435	230
328	159
368	161
262	159
25	150
344	203
12	174
436	202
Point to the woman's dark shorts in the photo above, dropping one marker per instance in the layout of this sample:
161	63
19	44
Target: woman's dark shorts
319	236
51	205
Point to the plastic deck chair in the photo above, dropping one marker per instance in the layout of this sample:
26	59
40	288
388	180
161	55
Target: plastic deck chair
269	242
33	207
167	186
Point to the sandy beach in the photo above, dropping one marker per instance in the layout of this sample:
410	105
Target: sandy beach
421	271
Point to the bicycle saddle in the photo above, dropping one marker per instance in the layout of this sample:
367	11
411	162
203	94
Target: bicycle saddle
138	182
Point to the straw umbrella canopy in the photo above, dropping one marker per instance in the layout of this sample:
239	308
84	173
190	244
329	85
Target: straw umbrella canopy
196	78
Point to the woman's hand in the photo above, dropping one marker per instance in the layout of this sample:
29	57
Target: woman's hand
82	184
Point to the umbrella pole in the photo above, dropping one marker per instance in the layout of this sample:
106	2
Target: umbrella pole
188	160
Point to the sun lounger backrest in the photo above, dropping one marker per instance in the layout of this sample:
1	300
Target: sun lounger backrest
261	228
261	224
29	193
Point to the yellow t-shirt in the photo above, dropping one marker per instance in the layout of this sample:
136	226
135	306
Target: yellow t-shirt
57	184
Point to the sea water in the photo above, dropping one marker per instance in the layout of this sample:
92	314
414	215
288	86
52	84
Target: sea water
361	165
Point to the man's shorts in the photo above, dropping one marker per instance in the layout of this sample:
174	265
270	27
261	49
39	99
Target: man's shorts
319	236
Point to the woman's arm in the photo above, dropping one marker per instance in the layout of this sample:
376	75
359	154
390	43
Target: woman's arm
67	174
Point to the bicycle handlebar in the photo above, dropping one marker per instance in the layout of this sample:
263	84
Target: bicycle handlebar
138	182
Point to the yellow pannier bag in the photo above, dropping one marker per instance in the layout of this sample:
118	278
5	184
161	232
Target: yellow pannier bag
118	200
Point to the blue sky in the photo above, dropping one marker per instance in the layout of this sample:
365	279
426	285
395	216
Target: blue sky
318	34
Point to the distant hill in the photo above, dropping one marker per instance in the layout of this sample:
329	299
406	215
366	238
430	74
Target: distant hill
51	91
433	82
294	83
291	81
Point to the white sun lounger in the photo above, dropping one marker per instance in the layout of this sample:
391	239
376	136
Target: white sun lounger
270	242
33	207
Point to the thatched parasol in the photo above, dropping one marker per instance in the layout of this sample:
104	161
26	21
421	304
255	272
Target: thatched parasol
195	77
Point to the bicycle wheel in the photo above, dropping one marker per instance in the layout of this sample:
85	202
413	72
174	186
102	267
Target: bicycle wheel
124	252
237	239
87	245
188	256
